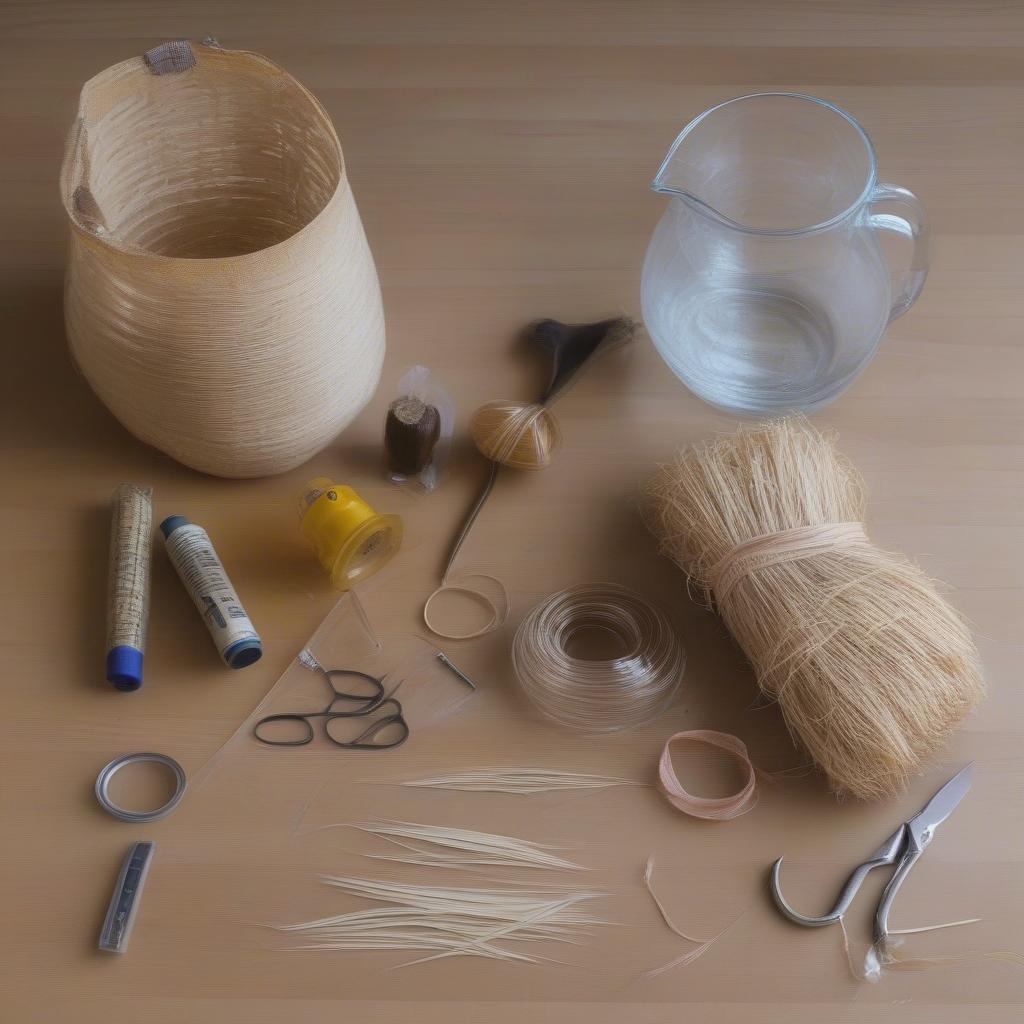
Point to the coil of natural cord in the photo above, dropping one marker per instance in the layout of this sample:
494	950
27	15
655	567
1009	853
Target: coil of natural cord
607	694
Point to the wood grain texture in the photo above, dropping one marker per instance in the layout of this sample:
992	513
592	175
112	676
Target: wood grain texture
500	155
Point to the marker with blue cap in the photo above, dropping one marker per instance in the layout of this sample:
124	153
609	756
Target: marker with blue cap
200	570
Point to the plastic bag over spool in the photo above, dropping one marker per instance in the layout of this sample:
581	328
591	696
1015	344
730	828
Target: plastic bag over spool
210	187
421	384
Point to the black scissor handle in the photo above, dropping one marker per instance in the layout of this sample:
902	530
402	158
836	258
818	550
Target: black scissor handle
377	684
364	741
367	706
301	742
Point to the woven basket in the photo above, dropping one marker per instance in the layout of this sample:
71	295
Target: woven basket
220	296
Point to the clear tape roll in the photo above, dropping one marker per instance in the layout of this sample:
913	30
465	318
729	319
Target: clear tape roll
598	695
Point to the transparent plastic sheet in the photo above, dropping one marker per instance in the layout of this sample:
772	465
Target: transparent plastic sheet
349	691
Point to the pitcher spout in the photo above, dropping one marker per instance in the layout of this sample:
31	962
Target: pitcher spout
684	172
677	176
771	163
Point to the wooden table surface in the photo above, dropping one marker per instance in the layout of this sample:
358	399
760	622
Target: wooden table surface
500	154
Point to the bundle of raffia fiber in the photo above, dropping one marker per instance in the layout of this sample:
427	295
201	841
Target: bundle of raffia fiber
871	667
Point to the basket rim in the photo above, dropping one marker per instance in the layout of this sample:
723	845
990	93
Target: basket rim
73	162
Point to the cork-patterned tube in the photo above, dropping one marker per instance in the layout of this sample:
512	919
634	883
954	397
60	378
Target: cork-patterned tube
131	543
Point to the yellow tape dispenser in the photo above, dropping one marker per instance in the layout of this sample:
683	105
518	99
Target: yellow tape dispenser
351	540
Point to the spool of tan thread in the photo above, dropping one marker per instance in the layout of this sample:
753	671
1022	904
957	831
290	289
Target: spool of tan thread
516	435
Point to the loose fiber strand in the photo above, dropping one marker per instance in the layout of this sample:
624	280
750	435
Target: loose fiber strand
648	875
920	963
879	959
475	848
703	944
519	781
498	932
934	927
447	922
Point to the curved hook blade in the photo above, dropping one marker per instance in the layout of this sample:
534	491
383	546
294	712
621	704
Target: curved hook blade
794	915
887	853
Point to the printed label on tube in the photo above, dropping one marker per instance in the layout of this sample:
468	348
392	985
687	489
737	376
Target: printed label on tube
192	555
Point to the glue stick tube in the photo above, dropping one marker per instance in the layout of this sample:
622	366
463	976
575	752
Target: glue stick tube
200	570
131	532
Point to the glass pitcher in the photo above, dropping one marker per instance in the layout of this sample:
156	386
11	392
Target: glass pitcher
765	287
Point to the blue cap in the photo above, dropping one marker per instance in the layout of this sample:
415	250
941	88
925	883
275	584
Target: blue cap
124	667
171	523
244	652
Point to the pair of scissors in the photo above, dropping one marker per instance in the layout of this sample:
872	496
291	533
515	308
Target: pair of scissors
366	697
903	848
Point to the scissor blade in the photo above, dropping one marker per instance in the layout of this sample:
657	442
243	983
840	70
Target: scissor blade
941	806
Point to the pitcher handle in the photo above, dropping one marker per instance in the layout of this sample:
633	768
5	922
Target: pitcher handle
910	222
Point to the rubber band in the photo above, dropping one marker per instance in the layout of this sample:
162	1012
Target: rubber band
498	609
711	808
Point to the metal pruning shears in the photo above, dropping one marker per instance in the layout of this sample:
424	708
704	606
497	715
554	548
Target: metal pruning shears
902	848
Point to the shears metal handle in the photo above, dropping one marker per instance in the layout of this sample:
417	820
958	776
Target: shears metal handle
902	847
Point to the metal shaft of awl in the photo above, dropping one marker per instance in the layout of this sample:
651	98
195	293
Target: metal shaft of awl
448	663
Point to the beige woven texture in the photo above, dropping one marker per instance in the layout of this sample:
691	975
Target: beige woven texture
871	667
221	298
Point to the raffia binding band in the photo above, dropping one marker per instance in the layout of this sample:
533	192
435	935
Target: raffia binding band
784	546
170	58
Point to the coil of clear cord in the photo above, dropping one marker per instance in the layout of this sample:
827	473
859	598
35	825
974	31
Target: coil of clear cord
603	695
